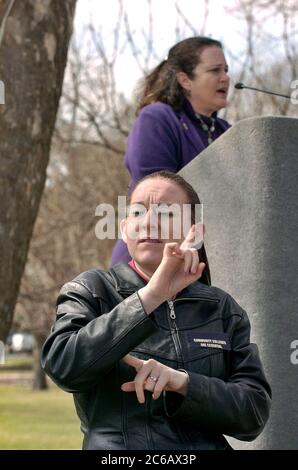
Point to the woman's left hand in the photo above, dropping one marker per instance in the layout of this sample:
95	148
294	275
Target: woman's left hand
155	377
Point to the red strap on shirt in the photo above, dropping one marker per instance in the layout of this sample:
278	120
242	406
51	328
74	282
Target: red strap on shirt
132	264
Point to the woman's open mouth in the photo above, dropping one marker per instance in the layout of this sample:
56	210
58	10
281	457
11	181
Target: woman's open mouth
223	91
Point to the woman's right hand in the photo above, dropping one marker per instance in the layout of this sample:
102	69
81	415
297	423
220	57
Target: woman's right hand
179	267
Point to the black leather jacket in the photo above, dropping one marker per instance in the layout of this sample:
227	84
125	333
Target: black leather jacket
100	318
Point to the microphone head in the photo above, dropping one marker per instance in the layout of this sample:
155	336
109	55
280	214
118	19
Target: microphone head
239	86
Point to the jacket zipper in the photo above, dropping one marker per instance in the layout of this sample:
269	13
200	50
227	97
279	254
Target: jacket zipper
175	333
173	325
178	347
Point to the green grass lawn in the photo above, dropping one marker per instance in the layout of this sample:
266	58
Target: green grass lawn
37	419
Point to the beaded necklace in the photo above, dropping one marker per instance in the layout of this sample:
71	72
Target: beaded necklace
209	129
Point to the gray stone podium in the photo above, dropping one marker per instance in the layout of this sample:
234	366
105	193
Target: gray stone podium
248	183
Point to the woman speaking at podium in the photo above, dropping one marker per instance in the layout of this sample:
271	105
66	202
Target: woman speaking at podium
177	112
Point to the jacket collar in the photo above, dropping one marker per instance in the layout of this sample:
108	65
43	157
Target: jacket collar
187	107
190	132
127	281
125	278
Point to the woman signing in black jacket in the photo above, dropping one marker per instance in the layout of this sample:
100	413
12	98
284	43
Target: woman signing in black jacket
157	358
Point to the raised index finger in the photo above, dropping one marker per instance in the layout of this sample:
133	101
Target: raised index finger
194	238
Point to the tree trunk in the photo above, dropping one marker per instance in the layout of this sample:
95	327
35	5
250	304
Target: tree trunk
33	52
39	377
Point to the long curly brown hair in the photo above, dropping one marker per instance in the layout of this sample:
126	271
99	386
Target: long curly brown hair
161	84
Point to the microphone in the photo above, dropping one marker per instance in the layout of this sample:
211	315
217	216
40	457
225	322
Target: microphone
240	86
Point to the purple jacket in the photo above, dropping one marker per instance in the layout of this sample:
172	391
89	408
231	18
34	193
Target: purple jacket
162	139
